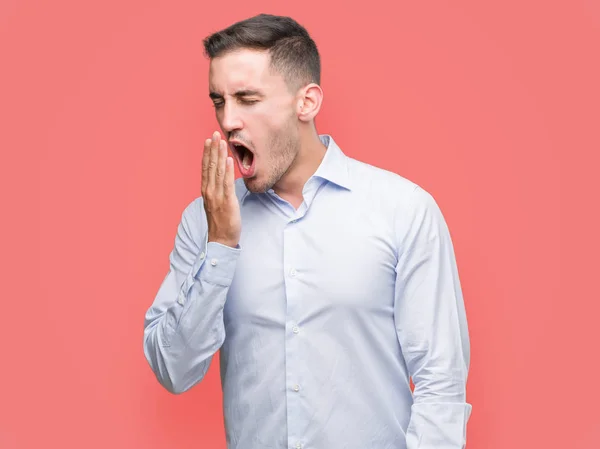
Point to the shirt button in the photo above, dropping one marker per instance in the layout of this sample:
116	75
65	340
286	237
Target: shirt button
202	255
296	329
181	300
213	262
298	446
293	272
296	387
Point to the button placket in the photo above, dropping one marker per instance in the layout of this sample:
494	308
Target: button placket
292	340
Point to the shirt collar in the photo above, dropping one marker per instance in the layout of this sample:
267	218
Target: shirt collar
333	167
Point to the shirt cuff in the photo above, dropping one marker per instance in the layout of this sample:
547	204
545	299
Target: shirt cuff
441	425
219	264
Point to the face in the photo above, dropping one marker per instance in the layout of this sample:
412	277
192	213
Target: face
257	114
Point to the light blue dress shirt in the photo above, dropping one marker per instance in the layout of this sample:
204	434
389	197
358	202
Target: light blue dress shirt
321	316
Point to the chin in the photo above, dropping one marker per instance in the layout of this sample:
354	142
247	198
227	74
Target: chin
255	186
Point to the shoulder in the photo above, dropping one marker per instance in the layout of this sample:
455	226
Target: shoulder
376	182
410	204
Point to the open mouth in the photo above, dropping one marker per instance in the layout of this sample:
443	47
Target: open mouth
244	157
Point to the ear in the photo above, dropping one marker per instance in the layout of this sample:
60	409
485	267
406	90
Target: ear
309	103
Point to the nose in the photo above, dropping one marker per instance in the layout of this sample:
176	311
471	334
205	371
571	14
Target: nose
230	118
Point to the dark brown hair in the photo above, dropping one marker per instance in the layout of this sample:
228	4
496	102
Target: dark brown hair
293	52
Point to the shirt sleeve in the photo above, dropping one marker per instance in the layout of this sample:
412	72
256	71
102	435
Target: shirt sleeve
432	328
183	327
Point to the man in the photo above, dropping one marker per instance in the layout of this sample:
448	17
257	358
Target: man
325	283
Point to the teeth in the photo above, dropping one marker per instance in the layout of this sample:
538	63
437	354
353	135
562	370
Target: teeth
245	155
246	160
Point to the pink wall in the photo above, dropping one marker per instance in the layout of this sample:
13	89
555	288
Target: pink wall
491	106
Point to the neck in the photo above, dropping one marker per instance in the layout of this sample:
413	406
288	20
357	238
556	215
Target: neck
305	164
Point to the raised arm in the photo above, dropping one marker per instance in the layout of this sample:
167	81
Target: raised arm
183	327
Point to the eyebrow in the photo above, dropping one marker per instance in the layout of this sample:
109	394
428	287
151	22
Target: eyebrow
239	93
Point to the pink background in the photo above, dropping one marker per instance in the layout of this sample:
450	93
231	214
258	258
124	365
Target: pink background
494	107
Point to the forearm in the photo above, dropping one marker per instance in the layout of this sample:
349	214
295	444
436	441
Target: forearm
435	341
440	411
184	327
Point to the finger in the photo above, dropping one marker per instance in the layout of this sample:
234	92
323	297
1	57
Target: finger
228	185
205	158
220	174
212	162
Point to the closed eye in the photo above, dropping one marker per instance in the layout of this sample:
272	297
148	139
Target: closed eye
219	104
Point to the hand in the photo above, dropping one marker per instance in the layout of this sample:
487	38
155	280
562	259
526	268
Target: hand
218	192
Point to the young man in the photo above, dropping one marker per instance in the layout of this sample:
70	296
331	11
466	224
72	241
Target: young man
324	282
